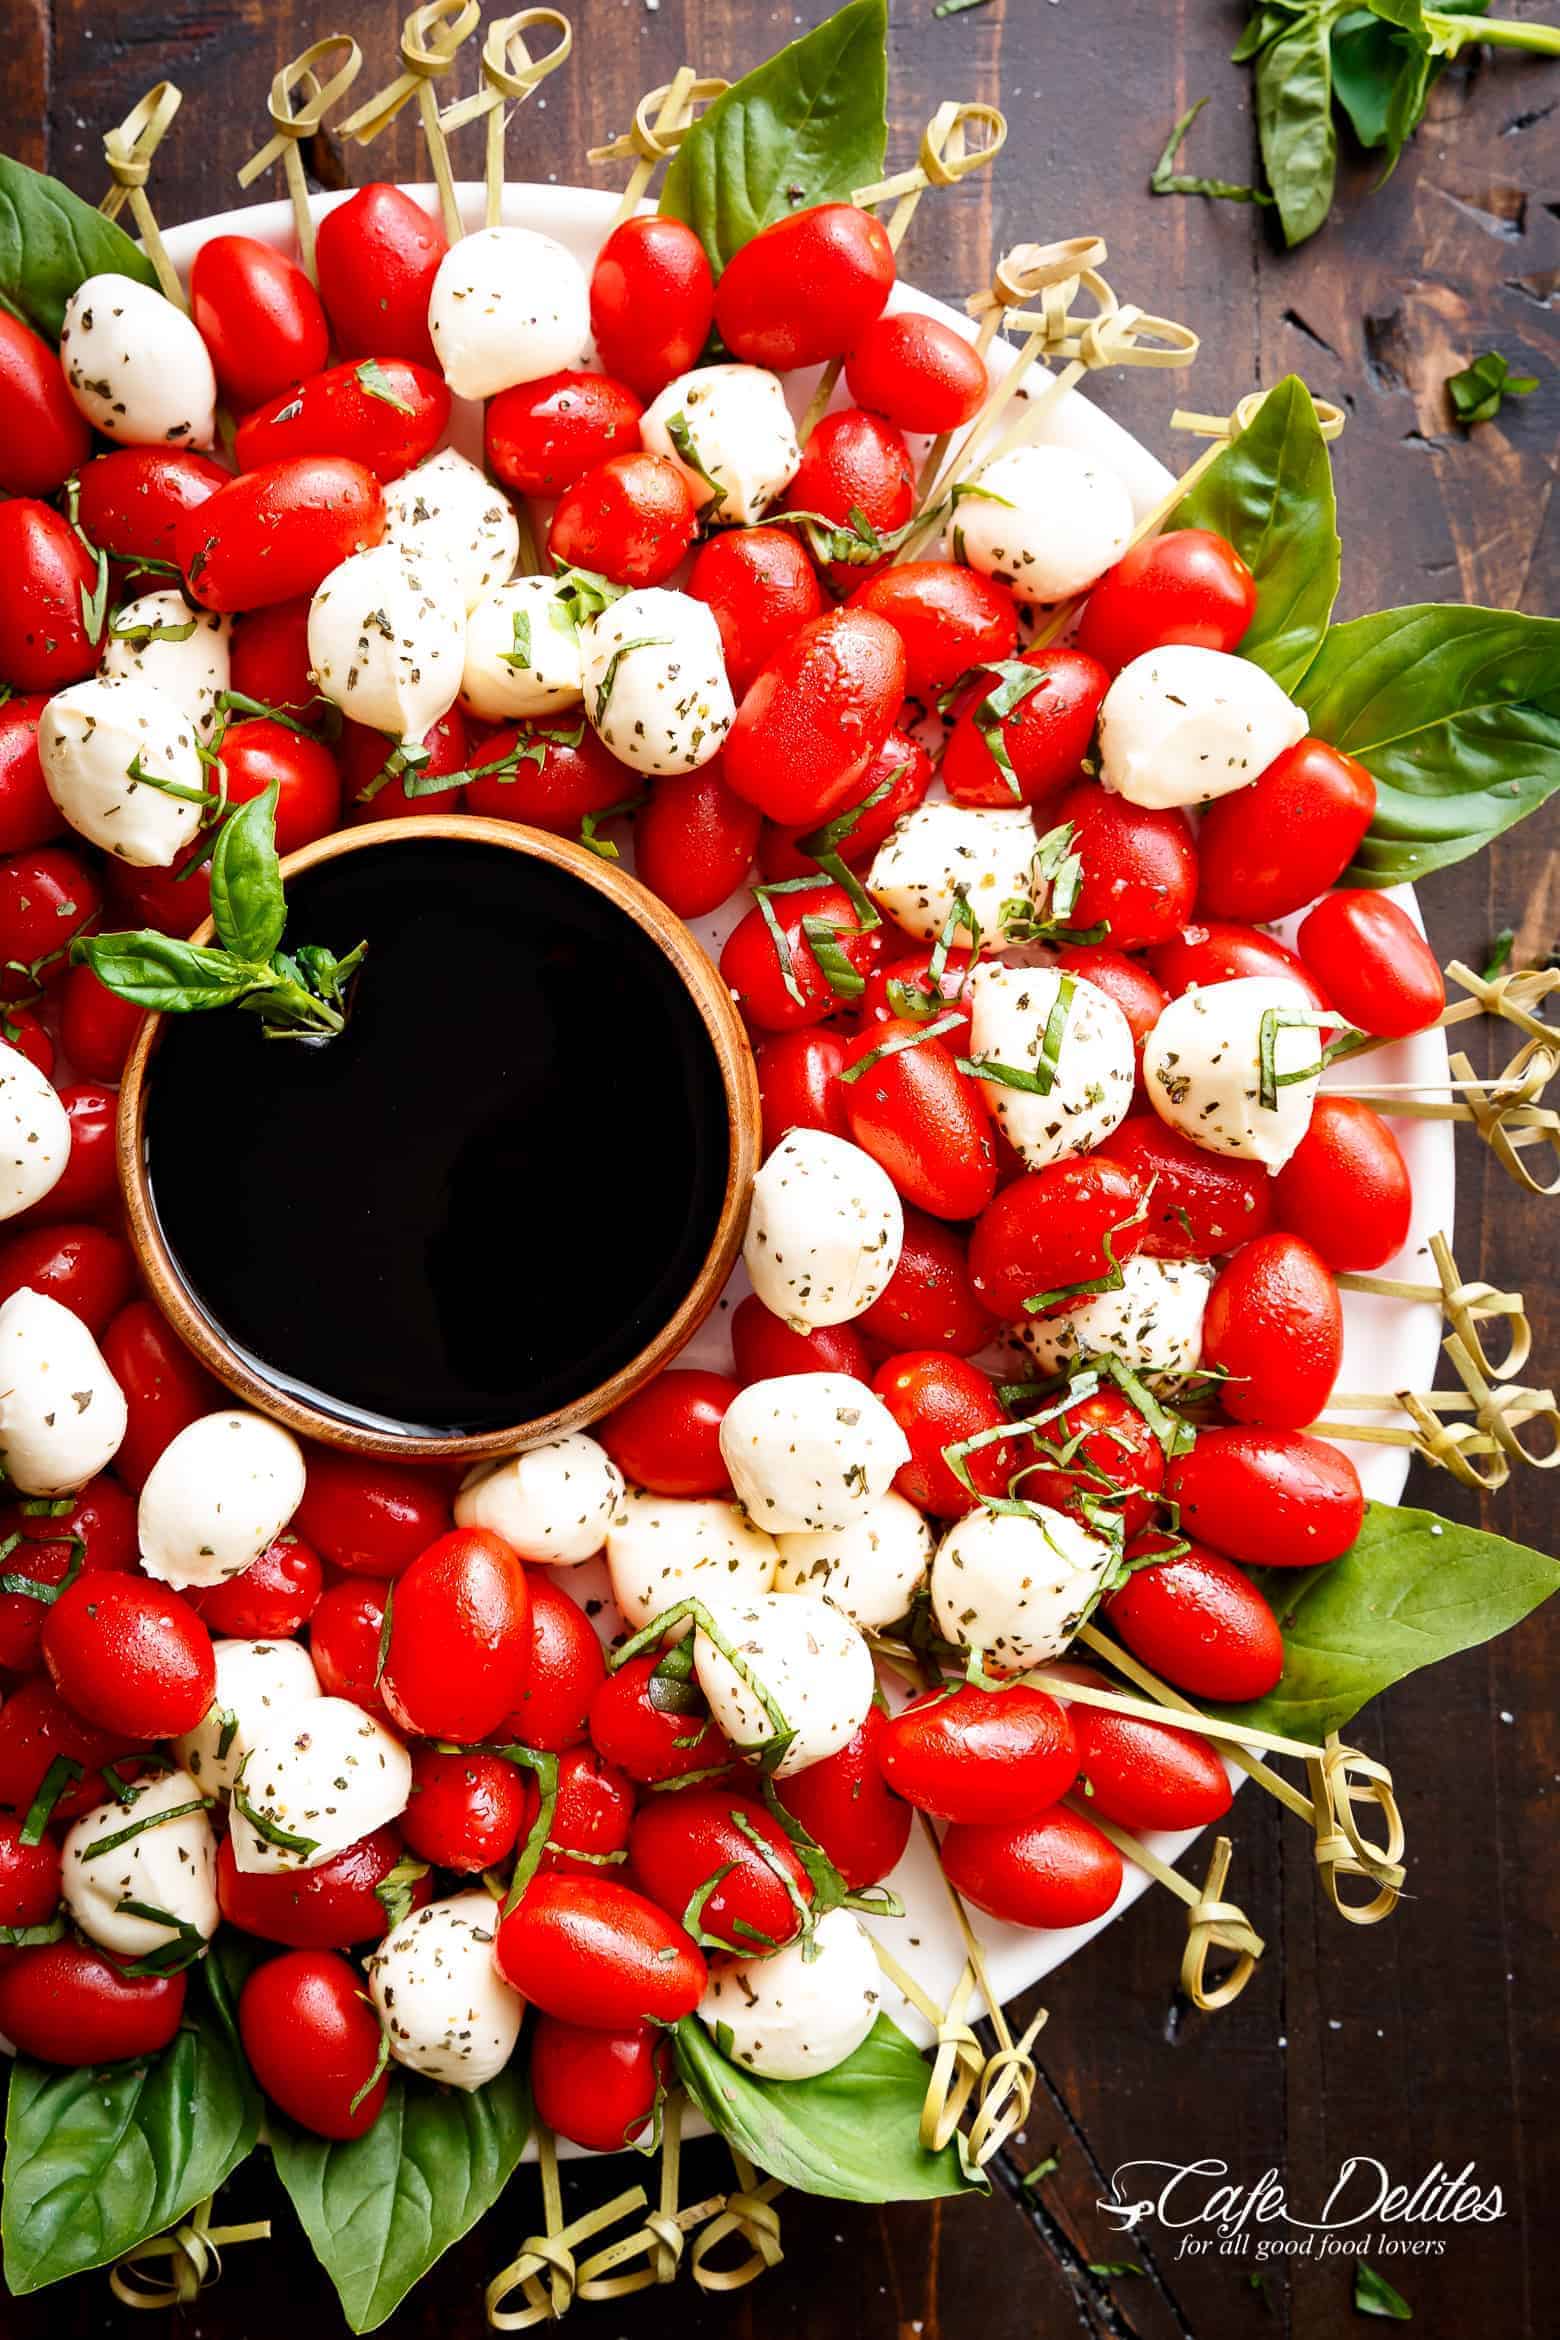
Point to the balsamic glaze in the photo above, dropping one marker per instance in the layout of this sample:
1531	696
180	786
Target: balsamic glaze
491	1190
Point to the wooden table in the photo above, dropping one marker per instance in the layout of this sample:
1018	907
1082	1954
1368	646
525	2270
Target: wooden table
1429	2037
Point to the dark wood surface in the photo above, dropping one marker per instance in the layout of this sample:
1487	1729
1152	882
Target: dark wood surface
1430	2037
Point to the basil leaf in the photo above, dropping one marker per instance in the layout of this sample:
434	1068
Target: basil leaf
98	2159
850	2134
1295	125
1375	2296
1271	494
246	883
1165	179
1267	21
808	126
380	2210
158	971
50	243
1411	1590
1456	713
1478	391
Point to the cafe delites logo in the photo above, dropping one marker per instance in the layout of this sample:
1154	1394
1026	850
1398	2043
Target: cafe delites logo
1367	2211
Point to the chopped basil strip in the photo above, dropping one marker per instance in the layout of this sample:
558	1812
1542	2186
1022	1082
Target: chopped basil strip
896	1046
62	1773
605	687
681	436
108	1844
373	378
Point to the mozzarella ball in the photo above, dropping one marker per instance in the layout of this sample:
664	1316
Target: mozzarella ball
508	305
387	641
662	1549
654	677
941	853
523	652
870	1569
169	1865
34	1133
825	1230
807	1655
1154	1323
449	509
160	639
317	1777
218	1493
553	1503
810	1451
256	1680
1045	521
62	1413
730	426
802	2010
1182	726
1202	1068
447	2011
1016	1587
136	366
95	740
1094	1070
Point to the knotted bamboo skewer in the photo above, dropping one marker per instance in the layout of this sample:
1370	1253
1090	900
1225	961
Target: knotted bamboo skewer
544	2270
128	151
430	39
1212	1923
749	2212
193	2249
661	121
510	74
298	104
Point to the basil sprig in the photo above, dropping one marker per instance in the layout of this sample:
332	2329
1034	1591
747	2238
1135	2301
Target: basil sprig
1478	391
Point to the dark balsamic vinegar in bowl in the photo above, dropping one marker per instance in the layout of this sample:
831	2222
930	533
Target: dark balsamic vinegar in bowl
487	1195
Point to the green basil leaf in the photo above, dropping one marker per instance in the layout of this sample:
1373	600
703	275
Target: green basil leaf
1411	1590
850	2134
1456	713
158	971
380	2210
1271	494
1267	20
808	126
246	882
51	242
1295	125
1375	2296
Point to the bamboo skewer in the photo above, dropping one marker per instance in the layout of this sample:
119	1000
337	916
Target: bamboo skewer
510	74
430	39
662	119
298	104
128	151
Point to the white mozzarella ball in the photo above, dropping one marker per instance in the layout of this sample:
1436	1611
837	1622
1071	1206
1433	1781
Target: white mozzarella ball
810	1451
387	640
730	430
62	1413
1182	726
136	366
825	1230
662	1549
169	1864
508	305
1046	521
317	1778
1153	1324
448	508
96	740
943	853
809	1658
870	1569
160	639
256	1681
1016	1587
802	2010
654	677
34	1133
447	2011
1202	1068
1094	1063
552	1503
523	652
218	1493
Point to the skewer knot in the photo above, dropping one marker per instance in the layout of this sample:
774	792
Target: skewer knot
1212	1923
129	148
429	39
1342	1778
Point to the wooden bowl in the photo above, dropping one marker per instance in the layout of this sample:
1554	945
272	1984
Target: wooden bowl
739	1081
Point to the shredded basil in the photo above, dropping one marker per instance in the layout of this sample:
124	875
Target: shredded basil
373	378
108	1844
62	1773
896	1045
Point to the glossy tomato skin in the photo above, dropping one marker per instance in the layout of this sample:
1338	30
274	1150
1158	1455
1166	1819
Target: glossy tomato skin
1202	1204
573	777
132	499
930	1301
901	769
363	756
270	1600
848	1808
367	1515
594	1813
980	1754
923	1120
1346	1188
750	965
939	1400
45	574
1115	1460
1187	586
652	297
806	288
1046	735
808	728
631	518
667	1435
270	658
1139	867
46	897
855	468
23	1032
386	428
1141	998
36	1726
679	1842
29	1875
259	316
346	1635
89	1184
466	1809
276	533
328	1908
918	371
694	840
949	618
313	2044
95	1531
96	1025
66	2003
377	255
1274	1325
28	814
83	1267
596	1953
1054	1870
308	803
1272	1498
567	1667
130	1656
765	1346
1276	845
642	1739
1216	950
165	1390
44	436
760	588
1047	1233
597	2088
460	1637
1145	1775
1200	1622
1373	963
543	436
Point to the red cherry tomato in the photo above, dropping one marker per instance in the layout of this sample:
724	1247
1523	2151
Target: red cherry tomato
678	1843
1139	867
342	1902
95	1530
751	966
165	1390
66	2003
269	656
85	1268
369	1516
364	758
652	297
667	1435
567	1667
1215	951
760	588
308	804
595	1811
898	777
1145	1775
1189	586
1274	1326
897	981
949	619
274	534
96	1025
29	1876
631	518
919	372
1127	981
1202	1204
547	774
43	435
1273	847
129	1656
1045	735
313	2043
923	1120
980	1754
380	412
1055	1870
377	255
929	1302
1052	1235
597	1953
597	2088
270	1600
460	1637
36	1726
259	316
1113	1458
346	1633
131	501
648	1742
466	1809
808	728
28	813
1273	1498
765	1346
938	1401
21	1030
90	1180
798	1083
46	897
543	436
847	1807
1373	963
806	288
694	840
855	472
1346	1187
47	576
1200	1622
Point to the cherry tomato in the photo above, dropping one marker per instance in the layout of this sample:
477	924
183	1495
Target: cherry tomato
1346	1187
346	1634
274	534
847	1807
1273	1498
379	412
594	1813
597	2088
94	1530
667	1435
898	777
47	580
29	1876
1113	1456
1139	867
96	1025
270	1600
89	1182
165	1390
650	1743
1128	982
1202	1204
269	656
364	758
765	1346
342	1902
631	519
172	900
923	1120
377	255
694	840
1274	1326
21	1030
765	986
1189	586
919	372
1054	1870
806	288
1273	847
43	435
652	298
1216	951
855	472
132	499
313	2043
547	774
460	1637
46	897
678	1843
130	1656
980	1754
760	588
1045	735
543	436
567	1667
259	316
1200	1622
28	813
929	1302
910	978
308	804
1145	1775
84	1268
367	1515
66	2003
808	728
1053	1234
1373	963
949	619
597	1953
938	1401
36	1726
466	1809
